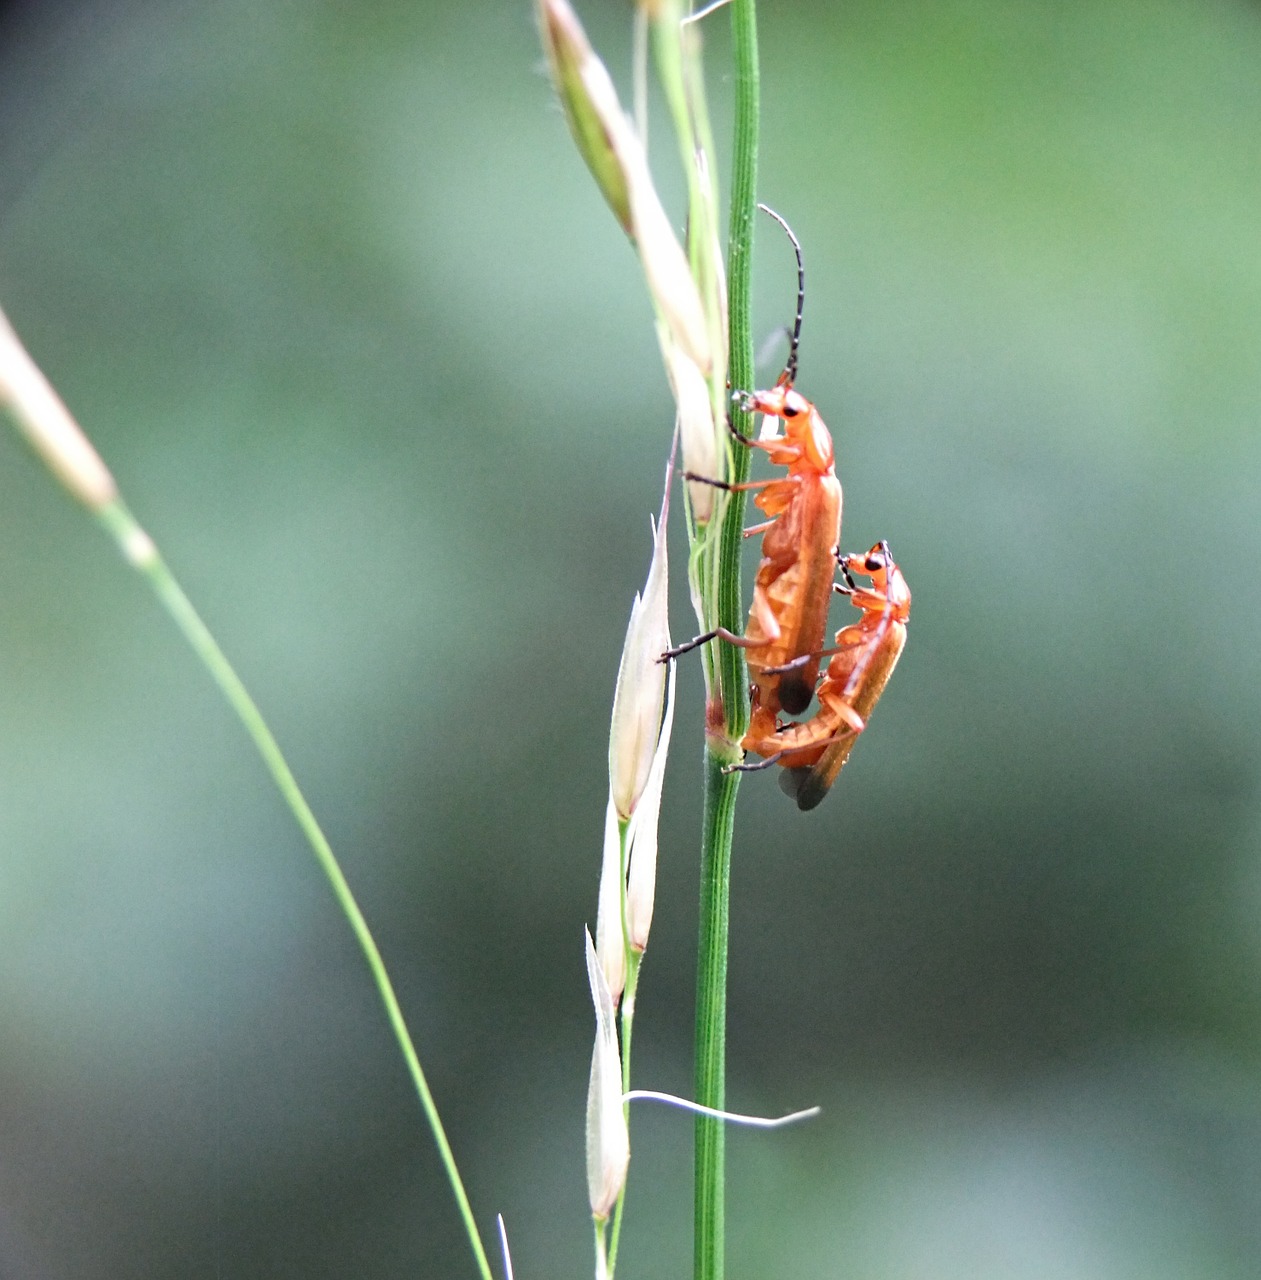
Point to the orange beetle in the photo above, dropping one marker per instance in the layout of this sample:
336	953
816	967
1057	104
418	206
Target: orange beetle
793	587
814	751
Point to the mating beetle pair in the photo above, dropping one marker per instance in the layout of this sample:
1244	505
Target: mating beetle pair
793	589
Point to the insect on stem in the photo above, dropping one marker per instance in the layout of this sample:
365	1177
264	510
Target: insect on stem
793	587
814	751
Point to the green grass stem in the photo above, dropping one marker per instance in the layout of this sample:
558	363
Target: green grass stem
721	788
140	552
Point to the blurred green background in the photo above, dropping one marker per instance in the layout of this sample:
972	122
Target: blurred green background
334	296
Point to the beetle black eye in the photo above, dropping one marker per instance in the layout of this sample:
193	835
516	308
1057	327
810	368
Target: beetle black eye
873	564
790	410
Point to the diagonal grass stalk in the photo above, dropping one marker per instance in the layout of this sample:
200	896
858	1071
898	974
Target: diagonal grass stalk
45	422
140	551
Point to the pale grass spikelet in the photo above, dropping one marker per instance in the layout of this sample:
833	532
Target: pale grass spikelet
503	1246
710	260
47	425
697	437
639	742
614	153
641	885
639	697
589	101
608	1140
704	247
665	264
610	932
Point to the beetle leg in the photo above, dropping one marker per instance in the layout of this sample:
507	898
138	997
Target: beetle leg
731	426
718	633
801	660
725	485
846	641
744	767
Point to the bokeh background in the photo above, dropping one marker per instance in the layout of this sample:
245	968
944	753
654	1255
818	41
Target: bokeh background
332	292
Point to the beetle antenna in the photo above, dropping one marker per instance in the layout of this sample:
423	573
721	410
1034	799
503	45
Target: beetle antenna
794	341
